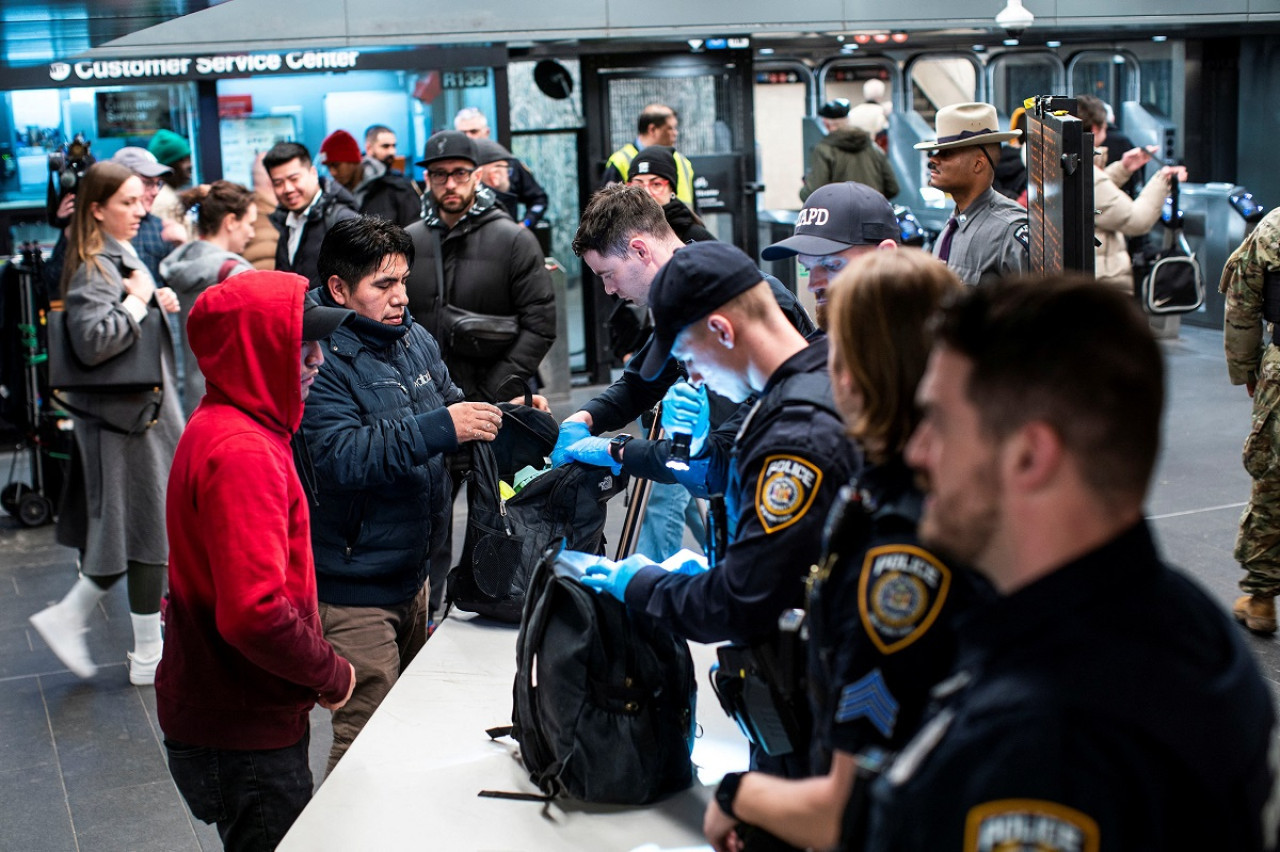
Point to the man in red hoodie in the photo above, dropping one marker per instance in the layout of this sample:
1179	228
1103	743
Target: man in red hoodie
245	658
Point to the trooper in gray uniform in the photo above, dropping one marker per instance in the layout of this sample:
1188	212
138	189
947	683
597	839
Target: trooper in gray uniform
986	236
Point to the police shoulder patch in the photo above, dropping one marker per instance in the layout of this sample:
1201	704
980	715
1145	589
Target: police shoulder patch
901	590
1008	824
785	490
1023	235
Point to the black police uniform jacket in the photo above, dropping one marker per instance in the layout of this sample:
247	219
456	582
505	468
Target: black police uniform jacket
374	429
334	205
1107	706
786	467
491	266
881	617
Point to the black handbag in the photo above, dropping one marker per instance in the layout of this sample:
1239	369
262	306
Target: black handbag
138	368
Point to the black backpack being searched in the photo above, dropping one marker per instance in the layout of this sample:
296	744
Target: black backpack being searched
506	539
604	696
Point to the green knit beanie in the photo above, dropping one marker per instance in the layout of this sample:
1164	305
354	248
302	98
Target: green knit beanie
169	147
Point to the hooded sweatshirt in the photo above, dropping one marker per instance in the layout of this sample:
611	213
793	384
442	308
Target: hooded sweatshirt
191	269
244	655
850	154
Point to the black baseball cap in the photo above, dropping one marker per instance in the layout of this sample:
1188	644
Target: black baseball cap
698	279
319	321
449	145
836	217
488	151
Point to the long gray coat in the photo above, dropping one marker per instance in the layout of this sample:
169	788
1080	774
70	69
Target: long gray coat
114	505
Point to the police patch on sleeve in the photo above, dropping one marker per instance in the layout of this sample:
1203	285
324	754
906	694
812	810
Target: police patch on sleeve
1023	235
785	491
1017	824
900	592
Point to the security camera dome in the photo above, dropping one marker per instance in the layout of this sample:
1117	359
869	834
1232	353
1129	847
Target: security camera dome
1014	18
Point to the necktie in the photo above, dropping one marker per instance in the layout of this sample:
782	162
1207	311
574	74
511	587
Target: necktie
944	245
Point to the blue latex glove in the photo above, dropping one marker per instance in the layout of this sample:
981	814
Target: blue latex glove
686	409
571	431
686	562
613	577
593	451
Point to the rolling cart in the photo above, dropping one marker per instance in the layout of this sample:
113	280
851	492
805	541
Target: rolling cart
45	431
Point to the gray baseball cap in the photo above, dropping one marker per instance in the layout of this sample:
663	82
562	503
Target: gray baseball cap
141	162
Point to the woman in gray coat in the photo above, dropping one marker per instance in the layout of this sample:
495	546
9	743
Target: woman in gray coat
114	504
225	214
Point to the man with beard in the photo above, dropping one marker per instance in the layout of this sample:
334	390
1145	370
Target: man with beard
987	234
309	207
839	222
1101	701
479	282
382	191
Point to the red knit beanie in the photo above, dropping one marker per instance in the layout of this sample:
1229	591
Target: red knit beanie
339	147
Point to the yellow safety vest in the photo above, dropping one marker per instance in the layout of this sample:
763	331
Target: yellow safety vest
621	162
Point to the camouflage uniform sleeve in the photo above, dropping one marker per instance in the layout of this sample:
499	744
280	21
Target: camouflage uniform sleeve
1242	284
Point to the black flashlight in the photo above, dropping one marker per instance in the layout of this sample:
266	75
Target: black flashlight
678	459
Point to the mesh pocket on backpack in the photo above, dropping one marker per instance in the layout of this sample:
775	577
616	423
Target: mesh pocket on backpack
494	562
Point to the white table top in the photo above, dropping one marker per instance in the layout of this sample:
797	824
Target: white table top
410	780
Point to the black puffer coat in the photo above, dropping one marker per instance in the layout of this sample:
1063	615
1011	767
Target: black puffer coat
491	266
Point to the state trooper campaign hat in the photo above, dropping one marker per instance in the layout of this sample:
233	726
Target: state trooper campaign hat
449	145
698	279
962	125
838	216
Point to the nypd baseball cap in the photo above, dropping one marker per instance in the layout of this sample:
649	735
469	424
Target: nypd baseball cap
449	145
836	217
698	279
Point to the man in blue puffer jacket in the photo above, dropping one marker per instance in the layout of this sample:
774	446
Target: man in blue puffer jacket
382	412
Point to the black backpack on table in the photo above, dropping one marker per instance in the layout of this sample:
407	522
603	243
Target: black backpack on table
604	696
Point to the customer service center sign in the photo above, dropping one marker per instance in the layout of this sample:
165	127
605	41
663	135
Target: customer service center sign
145	70
201	67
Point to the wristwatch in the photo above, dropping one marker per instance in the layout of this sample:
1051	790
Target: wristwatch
727	791
616	444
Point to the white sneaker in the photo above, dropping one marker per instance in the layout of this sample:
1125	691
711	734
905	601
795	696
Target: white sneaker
143	672
66	639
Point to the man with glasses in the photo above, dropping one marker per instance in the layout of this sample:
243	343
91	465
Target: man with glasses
987	234
156	237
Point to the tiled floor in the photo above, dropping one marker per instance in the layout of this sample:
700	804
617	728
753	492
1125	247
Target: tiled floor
81	764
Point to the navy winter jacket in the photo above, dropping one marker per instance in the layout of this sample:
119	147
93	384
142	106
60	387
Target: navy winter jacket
374	428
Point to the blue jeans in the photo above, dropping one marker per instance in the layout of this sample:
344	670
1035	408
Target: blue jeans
252	796
670	508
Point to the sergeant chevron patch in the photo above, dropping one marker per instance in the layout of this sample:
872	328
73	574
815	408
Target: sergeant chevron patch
869	698
900	592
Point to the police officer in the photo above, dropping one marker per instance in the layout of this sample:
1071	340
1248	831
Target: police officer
1101	701
713	313
1251	282
839	222
987	234
880	605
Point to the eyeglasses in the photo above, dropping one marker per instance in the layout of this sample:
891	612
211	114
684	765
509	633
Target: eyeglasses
457	176
153	183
